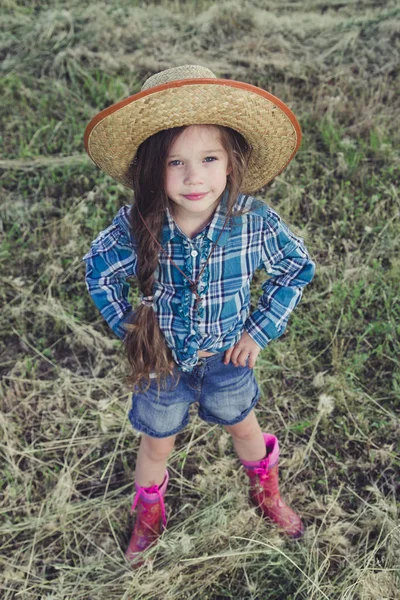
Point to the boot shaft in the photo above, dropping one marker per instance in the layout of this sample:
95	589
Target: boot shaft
151	499
150	519
264	489
264	482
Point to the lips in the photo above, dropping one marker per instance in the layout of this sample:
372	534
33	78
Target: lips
195	196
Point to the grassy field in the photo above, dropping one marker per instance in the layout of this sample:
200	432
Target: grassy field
330	386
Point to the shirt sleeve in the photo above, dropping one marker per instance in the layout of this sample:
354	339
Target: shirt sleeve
287	262
109	263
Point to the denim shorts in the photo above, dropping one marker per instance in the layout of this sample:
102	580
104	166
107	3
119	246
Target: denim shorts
225	395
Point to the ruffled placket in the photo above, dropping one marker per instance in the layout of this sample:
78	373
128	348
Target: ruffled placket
184	307
205	280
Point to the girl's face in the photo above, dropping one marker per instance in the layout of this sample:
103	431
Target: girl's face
196	172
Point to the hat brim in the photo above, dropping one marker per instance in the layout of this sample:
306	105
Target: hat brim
113	136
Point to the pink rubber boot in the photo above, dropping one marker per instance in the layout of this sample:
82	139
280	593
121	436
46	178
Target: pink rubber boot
150	520
264	489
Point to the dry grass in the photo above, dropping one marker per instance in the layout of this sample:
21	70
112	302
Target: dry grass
330	386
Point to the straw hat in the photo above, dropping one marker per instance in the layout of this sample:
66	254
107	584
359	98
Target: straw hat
193	95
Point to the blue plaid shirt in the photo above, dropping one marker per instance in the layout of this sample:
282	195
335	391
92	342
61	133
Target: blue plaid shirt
258	239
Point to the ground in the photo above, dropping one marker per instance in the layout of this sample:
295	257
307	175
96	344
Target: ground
330	384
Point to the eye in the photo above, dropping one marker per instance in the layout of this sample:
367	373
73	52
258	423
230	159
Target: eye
174	163
210	158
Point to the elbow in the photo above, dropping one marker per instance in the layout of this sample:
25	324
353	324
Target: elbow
309	271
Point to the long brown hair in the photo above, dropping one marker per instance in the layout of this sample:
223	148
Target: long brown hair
145	344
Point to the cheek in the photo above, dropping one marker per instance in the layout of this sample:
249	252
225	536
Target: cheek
171	179
223	174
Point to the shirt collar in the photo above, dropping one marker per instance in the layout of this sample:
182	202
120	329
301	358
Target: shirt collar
170	230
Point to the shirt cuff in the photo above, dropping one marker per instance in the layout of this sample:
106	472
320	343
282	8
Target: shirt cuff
119	328
261	329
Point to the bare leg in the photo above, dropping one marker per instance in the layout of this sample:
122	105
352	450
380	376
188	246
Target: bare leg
152	460
248	439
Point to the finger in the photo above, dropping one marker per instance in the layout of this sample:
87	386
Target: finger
233	352
247	357
236	355
227	356
252	361
243	357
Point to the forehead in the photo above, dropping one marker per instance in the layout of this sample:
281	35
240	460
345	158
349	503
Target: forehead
199	136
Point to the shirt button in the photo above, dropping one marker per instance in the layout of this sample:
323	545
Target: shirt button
194	253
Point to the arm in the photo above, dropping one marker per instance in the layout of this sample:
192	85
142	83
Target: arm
286	260
109	263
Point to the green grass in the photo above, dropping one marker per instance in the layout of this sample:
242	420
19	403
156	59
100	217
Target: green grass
330	386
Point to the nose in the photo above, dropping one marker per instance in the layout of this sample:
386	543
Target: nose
192	175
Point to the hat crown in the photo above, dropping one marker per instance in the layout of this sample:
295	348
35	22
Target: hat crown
177	74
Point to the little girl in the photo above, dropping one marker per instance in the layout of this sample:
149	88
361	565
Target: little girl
193	147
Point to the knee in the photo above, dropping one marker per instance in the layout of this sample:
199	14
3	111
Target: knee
246	429
158	449
241	431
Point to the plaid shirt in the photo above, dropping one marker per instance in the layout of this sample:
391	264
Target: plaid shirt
258	239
